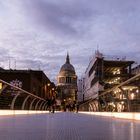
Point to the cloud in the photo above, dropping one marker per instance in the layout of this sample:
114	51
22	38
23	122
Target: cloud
61	18
38	33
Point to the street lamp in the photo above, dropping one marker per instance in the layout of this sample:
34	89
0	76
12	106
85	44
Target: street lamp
132	96
137	91
48	89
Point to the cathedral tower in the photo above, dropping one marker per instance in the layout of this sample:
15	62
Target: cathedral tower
67	82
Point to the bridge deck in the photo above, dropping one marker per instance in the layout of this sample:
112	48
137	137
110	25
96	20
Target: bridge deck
67	126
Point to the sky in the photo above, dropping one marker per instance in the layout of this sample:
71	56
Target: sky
37	34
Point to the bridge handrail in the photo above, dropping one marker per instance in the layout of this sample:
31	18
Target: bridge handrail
22	90
87	101
121	84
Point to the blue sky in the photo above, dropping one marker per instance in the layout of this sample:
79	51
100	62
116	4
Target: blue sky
38	33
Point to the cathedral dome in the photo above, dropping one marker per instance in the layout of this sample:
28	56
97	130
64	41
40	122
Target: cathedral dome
67	67
67	82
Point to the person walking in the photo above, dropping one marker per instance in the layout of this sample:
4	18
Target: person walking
49	102
53	104
77	108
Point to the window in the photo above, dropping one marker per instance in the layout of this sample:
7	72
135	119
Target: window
68	79
61	80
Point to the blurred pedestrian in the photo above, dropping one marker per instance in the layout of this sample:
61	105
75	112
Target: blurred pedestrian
77	108
53	104
49	103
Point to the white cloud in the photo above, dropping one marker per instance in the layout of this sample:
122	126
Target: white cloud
39	33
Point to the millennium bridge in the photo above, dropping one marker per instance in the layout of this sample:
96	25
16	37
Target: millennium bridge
24	116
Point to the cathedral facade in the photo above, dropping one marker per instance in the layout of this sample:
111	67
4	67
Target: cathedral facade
67	82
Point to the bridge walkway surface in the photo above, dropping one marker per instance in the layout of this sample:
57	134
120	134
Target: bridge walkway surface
67	126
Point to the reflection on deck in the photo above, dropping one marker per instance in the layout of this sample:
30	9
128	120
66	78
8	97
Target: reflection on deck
67	126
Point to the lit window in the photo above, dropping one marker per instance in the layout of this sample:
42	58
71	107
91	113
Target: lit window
0	85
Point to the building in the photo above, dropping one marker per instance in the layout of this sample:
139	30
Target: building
33	81
104	73
80	93
67	82
136	70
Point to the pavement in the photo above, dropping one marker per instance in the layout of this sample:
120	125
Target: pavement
67	126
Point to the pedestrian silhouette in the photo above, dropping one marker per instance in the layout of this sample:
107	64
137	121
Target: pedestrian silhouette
77	108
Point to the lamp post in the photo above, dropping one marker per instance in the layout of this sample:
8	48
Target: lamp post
48	89
53	92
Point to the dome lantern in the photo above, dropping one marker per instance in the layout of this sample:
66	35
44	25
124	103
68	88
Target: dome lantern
67	59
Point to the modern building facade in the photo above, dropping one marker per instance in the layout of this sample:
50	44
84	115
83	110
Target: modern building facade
81	88
136	70
103	74
67	82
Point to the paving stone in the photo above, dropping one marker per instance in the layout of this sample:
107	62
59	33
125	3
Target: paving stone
67	126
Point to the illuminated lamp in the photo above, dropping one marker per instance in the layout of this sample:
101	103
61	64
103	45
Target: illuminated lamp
137	91
114	72
132	96
0	85
122	102
131	89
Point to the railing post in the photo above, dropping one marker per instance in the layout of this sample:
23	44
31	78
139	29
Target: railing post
128	101
30	108
46	107
14	100
41	105
90	107
37	104
95	106
25	100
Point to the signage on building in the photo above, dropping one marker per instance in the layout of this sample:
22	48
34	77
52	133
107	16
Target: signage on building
16	83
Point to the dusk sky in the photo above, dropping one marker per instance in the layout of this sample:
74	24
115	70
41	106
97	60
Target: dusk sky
39	33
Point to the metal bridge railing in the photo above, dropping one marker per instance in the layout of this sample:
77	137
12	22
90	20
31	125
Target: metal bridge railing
107	96
13	97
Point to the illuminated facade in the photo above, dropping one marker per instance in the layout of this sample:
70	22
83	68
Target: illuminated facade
102	77
67	82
